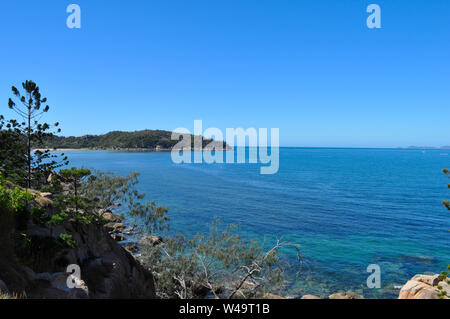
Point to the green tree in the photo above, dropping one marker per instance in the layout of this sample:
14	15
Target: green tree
6	222
106	189
13	215
446	202
30	108
220	262
13	161
444	274
75	176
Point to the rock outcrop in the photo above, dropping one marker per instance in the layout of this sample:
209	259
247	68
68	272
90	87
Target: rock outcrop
424	287
269	295
346	295
131	248
54	286
350	294
110	217
115	228
309	297
151	240
107	270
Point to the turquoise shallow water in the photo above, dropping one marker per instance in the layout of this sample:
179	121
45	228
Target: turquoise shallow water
345	208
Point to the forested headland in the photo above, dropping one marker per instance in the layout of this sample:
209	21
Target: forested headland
119	140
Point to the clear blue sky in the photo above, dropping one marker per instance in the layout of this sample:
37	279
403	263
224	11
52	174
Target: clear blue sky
311	68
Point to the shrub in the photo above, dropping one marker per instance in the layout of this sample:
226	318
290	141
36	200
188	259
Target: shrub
7	224
39	216
221	263
40	253
67	240
19	201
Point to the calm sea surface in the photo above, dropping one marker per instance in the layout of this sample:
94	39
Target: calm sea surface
345	208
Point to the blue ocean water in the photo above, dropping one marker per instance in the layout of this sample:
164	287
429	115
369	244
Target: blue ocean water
344	208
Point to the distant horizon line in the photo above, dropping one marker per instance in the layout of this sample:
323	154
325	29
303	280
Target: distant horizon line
412	148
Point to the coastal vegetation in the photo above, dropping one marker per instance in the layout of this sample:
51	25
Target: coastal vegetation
117	140
446	203
52	216
31	132
220	264
444	274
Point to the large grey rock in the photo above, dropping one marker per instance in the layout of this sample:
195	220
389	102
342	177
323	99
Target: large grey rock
55	286
107	268
31	275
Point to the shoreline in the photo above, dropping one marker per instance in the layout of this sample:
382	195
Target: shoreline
130	149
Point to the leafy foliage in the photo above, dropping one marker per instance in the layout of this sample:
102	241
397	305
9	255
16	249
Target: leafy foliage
38	252
105	189
14	204
145	139
67	240
19	198
7	222
75	176
13	161
31	133
446	202
221	263
444	273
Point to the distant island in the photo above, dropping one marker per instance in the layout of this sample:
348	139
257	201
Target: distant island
426	148
145	140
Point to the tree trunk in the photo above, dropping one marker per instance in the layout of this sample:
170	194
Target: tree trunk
29	146
76	196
